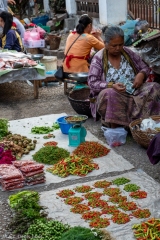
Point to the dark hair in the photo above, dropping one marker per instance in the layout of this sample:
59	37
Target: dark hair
83	23
8	20
112	32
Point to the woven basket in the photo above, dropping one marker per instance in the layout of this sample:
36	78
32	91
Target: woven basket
79	100
143	137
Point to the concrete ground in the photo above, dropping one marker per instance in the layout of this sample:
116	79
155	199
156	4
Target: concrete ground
17	102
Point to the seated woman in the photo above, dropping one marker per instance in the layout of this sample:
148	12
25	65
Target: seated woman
76	59
11	39
109	97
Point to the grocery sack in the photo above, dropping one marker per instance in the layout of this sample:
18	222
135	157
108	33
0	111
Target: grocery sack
115	136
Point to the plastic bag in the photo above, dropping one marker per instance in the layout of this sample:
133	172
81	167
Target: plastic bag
115	136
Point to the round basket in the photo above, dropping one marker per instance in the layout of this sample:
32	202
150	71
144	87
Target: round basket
79	100
143	137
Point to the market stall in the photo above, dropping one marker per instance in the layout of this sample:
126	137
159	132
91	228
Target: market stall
19	66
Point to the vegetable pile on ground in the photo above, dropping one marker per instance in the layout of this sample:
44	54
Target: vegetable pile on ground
3	127
141	213
26	211
147	230
83	189
50	154
120	181
6	157
18	144
51	143
91	150
44	129
131	187
138	194
102	184
32	223
73	165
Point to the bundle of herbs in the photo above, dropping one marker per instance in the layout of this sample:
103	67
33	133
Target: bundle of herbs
3	127
81	233
50	154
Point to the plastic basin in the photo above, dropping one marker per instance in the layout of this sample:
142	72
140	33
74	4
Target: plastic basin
64	126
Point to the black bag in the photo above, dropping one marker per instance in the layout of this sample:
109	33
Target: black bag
59	74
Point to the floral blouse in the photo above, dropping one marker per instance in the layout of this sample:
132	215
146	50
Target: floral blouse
125	71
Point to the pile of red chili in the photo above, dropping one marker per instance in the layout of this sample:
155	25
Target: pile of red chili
91	150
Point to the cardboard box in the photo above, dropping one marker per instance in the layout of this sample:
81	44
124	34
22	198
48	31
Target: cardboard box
34	43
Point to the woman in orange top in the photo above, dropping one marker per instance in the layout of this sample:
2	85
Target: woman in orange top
76	59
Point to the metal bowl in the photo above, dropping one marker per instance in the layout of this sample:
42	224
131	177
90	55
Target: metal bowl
37	56
79	77
74	121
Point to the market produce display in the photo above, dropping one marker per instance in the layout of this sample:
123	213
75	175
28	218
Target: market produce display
147	230
26	211
51	143
82	233
6	156
31	222
105	201
91	150
3	127
50	154
80	208
47	229
18	144
131	187
73	165
120	181
99	223
120	218
73	200
44	129
15	199
102	184
11	177
138	194
112	191
83	189
33	172
141	213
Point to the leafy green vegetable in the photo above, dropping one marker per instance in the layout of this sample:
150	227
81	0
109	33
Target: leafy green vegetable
50	154
15	199
41	130
80	233
46	230
3	127
26	211
56	126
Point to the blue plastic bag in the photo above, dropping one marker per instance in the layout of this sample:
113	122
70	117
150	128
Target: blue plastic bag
128	29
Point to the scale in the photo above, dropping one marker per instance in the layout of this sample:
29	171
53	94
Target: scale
81	79
77	132
37	57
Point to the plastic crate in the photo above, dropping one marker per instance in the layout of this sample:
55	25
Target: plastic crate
46	28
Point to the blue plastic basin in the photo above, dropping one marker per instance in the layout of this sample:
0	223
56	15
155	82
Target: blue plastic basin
43	20
64	126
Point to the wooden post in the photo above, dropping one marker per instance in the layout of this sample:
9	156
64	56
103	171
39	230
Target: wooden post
36	86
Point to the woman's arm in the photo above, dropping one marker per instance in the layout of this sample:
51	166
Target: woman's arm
96	79
95	42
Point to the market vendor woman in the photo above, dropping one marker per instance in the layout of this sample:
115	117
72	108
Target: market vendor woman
11	39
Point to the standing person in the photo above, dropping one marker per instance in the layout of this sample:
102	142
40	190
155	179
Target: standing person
109	97
11	39
4	7
76	59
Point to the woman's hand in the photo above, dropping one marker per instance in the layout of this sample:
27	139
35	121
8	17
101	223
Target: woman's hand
138	81
96	33
119	87
11	2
